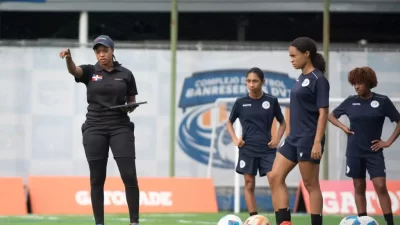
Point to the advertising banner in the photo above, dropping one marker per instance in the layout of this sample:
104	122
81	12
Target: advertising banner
12	196
71	195
339	197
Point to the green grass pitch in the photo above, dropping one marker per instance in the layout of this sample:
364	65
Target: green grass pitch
159	219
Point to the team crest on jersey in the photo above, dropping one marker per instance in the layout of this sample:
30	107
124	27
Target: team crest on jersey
242	164
305	83
266	105
374	104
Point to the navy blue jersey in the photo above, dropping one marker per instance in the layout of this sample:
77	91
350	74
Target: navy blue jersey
256	117
367	117
308	95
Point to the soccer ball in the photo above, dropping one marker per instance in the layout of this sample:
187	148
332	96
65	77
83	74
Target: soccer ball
230	220
355	220
257	220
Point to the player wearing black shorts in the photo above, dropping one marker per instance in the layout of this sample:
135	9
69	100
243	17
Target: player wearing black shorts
108	84
257	149
367	111
309	102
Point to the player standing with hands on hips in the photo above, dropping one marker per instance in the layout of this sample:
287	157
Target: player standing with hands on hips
108	84
257	149
367	111
309	103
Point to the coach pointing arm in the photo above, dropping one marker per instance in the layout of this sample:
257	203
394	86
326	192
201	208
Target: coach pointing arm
76	71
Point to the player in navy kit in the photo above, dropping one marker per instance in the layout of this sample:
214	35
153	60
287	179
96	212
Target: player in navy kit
309	102
257	149
367	111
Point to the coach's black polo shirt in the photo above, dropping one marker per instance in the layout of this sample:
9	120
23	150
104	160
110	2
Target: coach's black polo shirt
367	117
106	89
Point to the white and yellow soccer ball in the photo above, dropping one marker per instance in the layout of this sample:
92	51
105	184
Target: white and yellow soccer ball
230	220
257	220
355	220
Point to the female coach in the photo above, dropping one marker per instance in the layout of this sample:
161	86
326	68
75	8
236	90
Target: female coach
257	149
309	102
367	111
108	84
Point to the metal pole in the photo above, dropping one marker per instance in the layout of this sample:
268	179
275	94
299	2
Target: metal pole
326	28
236	189
174	40
83	28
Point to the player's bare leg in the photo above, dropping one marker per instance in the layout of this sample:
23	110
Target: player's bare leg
384	198
249	188
310	175
360	187
273	199
280	196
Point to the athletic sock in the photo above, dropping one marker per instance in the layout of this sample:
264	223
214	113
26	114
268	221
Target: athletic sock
277	218
283	215
389	219
253	213
316	219
362	214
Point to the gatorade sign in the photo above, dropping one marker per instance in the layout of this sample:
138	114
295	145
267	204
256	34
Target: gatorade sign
118	198
339	197
71	195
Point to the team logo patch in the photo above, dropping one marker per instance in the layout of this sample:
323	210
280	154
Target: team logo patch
97	77
374	104
282	144
242	164
305	83
266	105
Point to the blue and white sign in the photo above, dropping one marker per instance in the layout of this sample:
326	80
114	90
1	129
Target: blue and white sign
199	93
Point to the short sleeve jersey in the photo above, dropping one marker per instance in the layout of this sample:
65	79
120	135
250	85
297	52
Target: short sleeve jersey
106	89
256	117
366	117
307	96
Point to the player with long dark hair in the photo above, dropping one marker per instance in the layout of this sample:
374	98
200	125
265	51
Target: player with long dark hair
108	84
367	111
309	103
257	149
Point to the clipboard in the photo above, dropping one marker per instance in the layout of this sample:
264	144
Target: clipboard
136	104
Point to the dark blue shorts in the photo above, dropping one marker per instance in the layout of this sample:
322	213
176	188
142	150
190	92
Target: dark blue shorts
356	167
250	165
296	154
